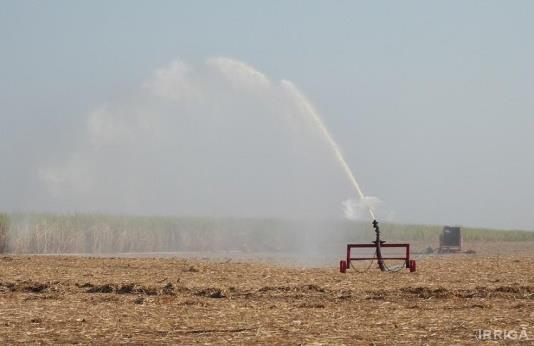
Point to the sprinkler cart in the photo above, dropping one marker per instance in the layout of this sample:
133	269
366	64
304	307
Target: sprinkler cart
378	245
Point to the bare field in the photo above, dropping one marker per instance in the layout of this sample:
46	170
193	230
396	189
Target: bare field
68	299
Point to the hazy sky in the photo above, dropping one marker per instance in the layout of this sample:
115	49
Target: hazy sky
432	104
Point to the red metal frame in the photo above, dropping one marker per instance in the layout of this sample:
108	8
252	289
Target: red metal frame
406	258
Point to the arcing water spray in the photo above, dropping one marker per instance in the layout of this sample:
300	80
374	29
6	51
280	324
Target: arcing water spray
308	108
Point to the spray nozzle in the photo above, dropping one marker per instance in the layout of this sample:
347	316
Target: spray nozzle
377	231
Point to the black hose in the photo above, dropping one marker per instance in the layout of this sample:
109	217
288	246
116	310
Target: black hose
381	264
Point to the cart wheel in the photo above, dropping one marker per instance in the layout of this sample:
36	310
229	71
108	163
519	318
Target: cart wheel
342	266
413	266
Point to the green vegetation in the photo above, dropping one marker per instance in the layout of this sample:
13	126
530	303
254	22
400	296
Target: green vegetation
480	234
432	232
4	226
100	233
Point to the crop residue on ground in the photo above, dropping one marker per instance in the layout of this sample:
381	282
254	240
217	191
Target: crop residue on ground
63	299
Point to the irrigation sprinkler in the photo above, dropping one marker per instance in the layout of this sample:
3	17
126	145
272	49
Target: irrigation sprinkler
378	244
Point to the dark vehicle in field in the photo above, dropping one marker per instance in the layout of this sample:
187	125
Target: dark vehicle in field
451	239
